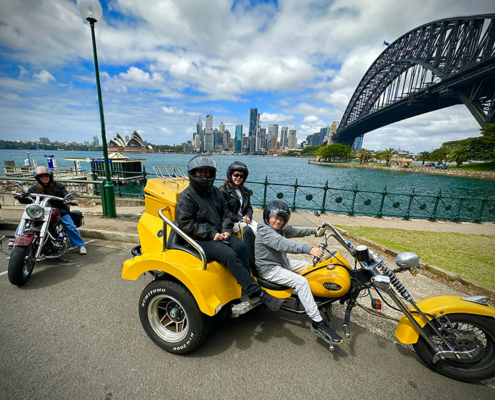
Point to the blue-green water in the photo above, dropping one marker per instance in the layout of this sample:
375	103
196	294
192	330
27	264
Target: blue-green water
287	170
341	197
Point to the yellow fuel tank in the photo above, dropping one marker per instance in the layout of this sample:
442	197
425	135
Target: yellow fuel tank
327	279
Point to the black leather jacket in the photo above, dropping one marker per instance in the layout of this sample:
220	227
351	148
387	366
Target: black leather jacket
59	190
202	215
234	203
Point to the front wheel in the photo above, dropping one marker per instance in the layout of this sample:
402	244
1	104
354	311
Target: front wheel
171	317
466	332
21	264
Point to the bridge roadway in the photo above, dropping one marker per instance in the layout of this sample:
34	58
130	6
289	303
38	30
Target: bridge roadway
73	332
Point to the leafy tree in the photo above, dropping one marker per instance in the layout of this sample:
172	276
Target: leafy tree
459	155
332	151
424	156
441	154
310	150
484	146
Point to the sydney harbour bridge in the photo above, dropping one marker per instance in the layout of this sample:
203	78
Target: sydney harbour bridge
434	66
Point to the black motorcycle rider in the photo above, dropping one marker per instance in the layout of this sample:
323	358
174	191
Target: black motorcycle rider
239	203
46	185
203	214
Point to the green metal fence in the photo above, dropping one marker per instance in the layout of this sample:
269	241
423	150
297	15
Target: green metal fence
376	204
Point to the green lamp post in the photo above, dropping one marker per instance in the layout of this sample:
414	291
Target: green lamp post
91	11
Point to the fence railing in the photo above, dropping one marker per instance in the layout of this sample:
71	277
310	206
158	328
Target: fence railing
376	204
126	183
337	200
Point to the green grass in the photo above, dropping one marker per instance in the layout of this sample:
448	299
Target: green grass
485	166
470	256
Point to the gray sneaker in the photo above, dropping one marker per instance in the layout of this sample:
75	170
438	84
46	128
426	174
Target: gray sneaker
82	250
272	302
323	330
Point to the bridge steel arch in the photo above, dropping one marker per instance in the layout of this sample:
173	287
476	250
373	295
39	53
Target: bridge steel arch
437	65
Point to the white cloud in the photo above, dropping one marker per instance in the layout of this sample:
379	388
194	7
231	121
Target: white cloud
275	118
173	110
166	131
44	77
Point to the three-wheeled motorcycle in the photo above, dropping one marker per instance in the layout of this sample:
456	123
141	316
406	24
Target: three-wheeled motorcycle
453	335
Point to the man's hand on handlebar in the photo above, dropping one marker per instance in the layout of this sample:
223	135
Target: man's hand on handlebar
317	252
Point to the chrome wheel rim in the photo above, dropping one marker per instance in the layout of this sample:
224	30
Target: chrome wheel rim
27	267
168	319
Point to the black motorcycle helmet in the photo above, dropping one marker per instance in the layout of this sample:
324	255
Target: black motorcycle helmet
277	208
237	166
41	170
201	161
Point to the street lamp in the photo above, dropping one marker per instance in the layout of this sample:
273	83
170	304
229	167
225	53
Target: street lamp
91	11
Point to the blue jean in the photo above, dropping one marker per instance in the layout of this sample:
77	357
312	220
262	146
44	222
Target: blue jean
72	232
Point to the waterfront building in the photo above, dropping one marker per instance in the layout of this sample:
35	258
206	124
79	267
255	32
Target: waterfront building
292	139
209	123
197	143
209	141
135	144
200	132
238	138
221	128
245	143
96	141
187	147
262	137
284	137
253	128
273	132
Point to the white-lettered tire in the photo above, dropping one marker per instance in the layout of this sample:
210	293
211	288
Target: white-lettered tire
171	317
473	331
20	264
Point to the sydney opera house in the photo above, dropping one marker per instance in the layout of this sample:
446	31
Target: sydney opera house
134	145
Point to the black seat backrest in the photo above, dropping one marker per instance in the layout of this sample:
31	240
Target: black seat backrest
176	242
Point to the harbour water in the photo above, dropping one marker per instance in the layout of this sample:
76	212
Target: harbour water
284	170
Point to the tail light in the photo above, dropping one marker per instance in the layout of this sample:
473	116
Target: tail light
376	304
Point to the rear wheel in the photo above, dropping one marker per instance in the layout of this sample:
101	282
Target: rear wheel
171	317
467	332
21	264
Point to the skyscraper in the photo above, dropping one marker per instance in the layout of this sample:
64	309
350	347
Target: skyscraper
199	131
238	138
209	123
358	143
284	137
273	134
221	127
292	139
209	141
253	128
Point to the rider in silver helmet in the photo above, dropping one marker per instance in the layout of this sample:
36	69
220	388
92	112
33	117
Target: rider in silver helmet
202	213
272	245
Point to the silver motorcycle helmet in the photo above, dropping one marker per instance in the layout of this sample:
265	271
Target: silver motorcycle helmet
237	166
277	208
202	161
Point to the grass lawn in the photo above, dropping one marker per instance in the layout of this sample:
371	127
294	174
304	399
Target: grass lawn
470	256
482	166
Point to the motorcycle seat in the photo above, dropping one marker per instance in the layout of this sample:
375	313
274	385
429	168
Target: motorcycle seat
176	242
270	285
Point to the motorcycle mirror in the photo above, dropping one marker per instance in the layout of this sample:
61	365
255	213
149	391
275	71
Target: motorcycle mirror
317	213
17	184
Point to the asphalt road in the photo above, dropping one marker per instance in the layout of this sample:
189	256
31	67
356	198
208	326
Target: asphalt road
73	332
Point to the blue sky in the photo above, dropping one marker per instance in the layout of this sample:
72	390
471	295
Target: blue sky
166	63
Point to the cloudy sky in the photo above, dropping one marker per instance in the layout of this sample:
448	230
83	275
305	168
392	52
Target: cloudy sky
166	63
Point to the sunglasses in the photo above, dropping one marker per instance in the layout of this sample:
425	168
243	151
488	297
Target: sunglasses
44	176
238	175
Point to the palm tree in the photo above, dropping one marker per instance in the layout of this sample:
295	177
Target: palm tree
440	154
387	155
459	155
424	156
363	155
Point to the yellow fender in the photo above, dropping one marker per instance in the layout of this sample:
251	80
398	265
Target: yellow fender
440	305
212	288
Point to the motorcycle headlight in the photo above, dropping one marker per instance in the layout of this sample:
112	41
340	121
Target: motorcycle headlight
35	211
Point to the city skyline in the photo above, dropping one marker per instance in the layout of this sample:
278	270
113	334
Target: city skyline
164	64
